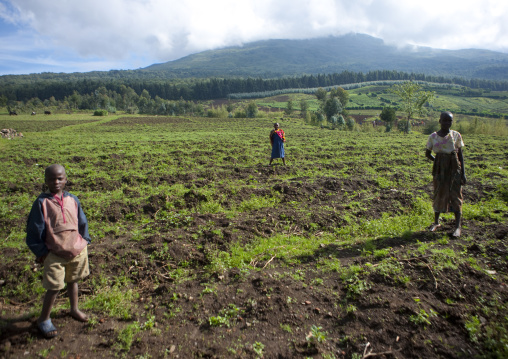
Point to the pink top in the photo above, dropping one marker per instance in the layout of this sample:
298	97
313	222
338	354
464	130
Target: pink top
451	142
61	218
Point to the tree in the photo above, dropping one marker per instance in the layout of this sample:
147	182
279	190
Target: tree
388	116
3	101
350	123
412	98
252	110
289	108
341	94
320	94
332	107
304	107
74	100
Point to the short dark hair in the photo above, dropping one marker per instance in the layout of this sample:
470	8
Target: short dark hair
52	168
447	114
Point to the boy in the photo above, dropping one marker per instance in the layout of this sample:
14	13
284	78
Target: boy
447	171
57	233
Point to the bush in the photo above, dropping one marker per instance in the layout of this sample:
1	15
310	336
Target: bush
252	110
482	127
100	113
431	127
219	112
340	121
240	114
402	126
350	123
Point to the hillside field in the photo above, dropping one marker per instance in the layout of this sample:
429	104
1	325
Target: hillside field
200	249
366	98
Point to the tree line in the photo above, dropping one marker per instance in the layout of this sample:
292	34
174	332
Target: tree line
25	88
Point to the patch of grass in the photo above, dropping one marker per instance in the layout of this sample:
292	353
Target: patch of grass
473	327
422	317
286	328
256	202
125	337
116	301
258	348
316	335
225	316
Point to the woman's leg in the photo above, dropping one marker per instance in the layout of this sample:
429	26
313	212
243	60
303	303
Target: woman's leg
436	224
458	220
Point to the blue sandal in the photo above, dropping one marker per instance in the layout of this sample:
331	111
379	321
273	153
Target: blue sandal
47	329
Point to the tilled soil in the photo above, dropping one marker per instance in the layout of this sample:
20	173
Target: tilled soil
176	295
273	308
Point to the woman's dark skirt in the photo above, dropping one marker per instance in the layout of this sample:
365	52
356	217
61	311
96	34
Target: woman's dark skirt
447	176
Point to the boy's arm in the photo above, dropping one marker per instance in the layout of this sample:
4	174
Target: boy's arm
82	223
463	169
36	231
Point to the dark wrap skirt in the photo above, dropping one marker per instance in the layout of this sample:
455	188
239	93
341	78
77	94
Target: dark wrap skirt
277	146
447	176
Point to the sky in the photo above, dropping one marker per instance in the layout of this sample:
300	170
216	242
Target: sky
99	35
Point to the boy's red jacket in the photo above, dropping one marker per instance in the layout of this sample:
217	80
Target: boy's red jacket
57	225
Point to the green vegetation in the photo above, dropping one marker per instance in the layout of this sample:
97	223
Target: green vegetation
412	99
196	238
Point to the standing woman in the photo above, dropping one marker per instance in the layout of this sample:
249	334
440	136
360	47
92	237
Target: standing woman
277	139
447	171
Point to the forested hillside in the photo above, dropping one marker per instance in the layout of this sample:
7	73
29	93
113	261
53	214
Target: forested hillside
25	88
352	52
272	65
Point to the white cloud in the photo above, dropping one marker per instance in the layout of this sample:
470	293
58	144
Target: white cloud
163	30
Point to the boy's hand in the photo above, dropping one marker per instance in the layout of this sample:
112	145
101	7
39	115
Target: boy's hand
41	259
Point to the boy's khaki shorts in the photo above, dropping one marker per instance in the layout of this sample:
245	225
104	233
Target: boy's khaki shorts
58	271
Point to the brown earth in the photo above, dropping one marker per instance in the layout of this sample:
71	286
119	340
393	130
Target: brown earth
280	302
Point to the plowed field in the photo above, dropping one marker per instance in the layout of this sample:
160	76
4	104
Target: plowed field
200	249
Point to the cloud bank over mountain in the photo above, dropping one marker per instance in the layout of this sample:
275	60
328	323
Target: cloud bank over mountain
135	33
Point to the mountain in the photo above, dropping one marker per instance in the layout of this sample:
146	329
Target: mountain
353	52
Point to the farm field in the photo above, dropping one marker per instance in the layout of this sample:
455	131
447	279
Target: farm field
378	96
200	249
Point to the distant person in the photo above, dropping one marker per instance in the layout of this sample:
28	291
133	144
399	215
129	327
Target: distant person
277	139
57	233
448	171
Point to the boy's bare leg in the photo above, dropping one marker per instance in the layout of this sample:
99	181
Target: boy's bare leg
72	291
47	305
284	160
436	224
458	220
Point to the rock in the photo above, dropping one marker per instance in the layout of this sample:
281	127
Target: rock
10	133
